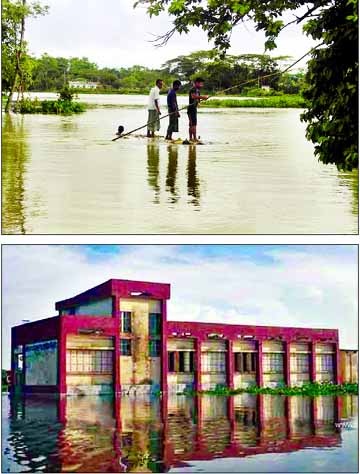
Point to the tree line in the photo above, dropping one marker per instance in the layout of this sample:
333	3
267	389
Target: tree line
49	73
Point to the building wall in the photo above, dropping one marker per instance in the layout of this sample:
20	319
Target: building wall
139	368
88	381
41	362
297	375
325	350
242	380
349	366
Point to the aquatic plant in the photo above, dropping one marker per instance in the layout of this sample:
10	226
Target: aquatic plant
58	107
311	389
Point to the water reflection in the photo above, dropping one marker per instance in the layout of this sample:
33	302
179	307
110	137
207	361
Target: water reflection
172	185
98	434
15	153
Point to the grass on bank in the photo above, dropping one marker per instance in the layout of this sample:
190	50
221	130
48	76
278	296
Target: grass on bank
311	389
284	101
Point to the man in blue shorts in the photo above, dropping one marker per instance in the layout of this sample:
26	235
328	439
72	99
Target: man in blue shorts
194	99
173	110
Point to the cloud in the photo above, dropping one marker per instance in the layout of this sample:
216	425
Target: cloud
120	35
286	286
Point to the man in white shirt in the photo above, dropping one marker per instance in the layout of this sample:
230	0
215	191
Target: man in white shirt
154	109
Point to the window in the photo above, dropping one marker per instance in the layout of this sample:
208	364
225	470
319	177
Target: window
126	321
213	362
125	347
171	361
154	348
300	363
325	362
154	324
182	361
273	363
245	362
82	361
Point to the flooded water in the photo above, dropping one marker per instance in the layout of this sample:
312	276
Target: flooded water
256	173
245	433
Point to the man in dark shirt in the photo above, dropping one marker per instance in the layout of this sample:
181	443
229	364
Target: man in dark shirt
194	99
173	110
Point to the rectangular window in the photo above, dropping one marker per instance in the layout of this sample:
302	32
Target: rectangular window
325	362
94	361
245	362
126	321
125	347
213	362
273	363
171	361
300	363
154	324
154	348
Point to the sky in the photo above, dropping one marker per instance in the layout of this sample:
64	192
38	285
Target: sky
114	34
302	286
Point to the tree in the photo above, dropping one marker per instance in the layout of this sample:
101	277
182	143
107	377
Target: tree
16	64
332	74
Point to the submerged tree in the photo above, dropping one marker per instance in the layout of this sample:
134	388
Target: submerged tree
16	64
331	90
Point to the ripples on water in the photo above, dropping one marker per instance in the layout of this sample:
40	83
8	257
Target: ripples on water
256	173
95	434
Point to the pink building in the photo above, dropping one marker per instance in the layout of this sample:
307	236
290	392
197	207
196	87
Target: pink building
115	337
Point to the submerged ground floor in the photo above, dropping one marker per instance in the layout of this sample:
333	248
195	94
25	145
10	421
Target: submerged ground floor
115	338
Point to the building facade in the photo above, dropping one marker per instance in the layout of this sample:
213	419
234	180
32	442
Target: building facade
116	338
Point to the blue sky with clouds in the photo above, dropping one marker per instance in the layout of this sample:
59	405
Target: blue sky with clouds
309	286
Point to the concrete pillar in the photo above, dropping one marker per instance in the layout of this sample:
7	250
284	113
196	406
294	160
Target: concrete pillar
164	355
259	375
313	362
62	357
337	369
287	364
117	355
198	364
230	365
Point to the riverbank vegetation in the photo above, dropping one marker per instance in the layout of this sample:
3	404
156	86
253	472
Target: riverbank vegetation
50	73
311	389
63	105
286	101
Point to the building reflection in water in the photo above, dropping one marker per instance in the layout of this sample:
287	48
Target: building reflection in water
171	184
98	434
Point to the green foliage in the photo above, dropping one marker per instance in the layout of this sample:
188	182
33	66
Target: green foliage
282	101
311	389
331	87
58	107
13	13
331	81
66	94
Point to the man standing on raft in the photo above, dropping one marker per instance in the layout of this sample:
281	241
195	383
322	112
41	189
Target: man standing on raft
194	99
173	110
154	109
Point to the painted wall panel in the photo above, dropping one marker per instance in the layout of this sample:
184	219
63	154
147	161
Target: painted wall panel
101	307
325	348
97	379
244	346
299	347
176	344
84	341
213	346
127	375
155	370
273	346
41	363
244	380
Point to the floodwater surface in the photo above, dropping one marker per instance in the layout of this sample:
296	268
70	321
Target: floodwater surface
255	173
244	433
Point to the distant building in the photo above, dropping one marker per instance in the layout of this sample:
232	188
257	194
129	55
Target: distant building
266	88
349	365
83	84
116	337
